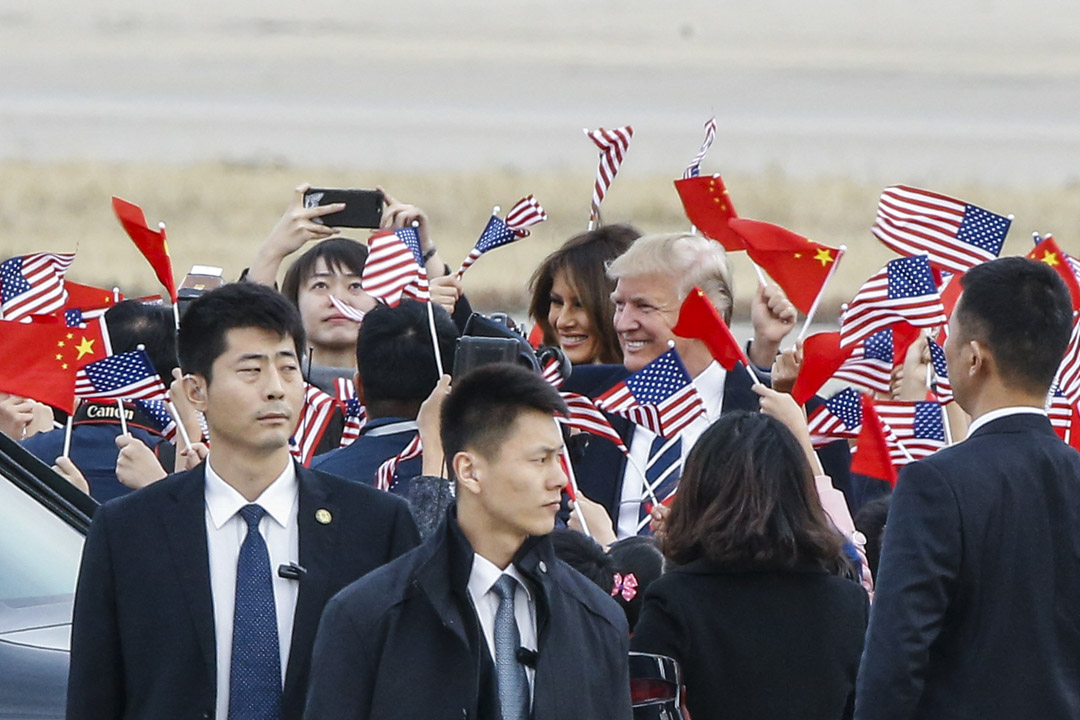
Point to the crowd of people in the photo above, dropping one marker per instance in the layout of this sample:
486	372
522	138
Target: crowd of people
321	520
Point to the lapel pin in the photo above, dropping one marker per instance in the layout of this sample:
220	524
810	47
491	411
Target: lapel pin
323	516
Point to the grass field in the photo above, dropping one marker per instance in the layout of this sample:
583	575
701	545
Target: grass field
217	215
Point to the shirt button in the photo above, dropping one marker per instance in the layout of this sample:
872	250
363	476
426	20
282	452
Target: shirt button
542	566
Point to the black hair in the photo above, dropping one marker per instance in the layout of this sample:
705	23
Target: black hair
482	406
1022	311
870	521
585	555
201	338
131	323
641	558
338	253
394	353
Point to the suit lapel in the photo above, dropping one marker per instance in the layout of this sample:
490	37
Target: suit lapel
318	536
185	527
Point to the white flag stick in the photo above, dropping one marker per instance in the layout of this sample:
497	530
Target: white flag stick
574	487
67	436
821	293
123	420
179	423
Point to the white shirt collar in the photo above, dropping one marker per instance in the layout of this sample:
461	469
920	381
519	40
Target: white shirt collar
710	385
485	574
1003	412
278	500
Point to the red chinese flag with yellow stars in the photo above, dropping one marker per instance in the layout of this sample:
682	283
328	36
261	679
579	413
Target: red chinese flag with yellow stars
799	265
39	360
699	319
708	206
151	243
88	297
1048	252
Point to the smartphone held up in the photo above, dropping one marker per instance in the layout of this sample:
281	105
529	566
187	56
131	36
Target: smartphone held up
363	208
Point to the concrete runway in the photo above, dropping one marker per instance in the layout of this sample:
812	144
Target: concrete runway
979	91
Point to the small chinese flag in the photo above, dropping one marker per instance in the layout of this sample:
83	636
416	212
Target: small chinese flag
39	360
799	265
88	297
708	207
698	319
1048	252
151	243
871	456
822	357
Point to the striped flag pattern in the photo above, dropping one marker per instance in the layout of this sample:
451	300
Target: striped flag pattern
585	416
660	396
348	310
314	418
955	235
919	428
839	417
498	232
870	363
613	145
394	264
1060	411
902	291
161	416
694	168
552	373
33	284
942	386
354	411
124	376
384	476
1068	375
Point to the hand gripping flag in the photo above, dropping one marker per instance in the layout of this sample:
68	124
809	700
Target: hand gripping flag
708	206
33	284
1048	252
839	417
699	319
799	265
525	213
151	243
918	426
660	397
38	361
694	168
124	376
955	235
872	456
871	362
394	264
613	145
902	291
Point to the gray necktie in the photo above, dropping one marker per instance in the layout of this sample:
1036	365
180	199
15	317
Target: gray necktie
513	685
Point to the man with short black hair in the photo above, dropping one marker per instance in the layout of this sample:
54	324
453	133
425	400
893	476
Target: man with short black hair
976	612
483	605
199	596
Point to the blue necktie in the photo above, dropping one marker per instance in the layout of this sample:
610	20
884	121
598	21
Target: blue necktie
513	684
668	463
255	674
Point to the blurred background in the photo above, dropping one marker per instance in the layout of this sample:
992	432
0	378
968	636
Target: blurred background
208	114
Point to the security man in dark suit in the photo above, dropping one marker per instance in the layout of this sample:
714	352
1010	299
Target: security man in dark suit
482	620
977	609
199	595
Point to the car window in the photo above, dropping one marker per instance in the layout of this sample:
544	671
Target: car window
39	553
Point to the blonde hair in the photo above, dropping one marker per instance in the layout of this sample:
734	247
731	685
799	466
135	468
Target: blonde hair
690	259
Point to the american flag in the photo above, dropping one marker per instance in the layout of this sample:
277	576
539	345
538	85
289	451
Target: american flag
499	232
347	310
1060	411
384	476
660	396
584	415
839	417
942	386
124	376
33	284
613	145
694	168
160	415
870	363
355	413
552	373
902	291
956	235
315	416
394	264
1068	374
919	428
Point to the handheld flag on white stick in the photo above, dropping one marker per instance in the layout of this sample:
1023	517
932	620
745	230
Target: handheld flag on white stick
613	145
694	168
498	232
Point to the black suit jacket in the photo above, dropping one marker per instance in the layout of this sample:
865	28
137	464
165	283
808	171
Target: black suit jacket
758	643
599	466
143	635
977	609
405	641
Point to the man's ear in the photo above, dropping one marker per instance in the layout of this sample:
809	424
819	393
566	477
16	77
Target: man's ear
467	469
195	387
358	387
982	360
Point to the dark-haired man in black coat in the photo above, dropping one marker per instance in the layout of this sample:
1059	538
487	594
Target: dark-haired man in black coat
976	613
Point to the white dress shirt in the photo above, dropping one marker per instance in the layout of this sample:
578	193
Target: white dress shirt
225	532
1003	412
710	385
482	578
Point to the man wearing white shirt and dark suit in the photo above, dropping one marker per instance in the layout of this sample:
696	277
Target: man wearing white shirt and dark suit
482	620
977	607
199	595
